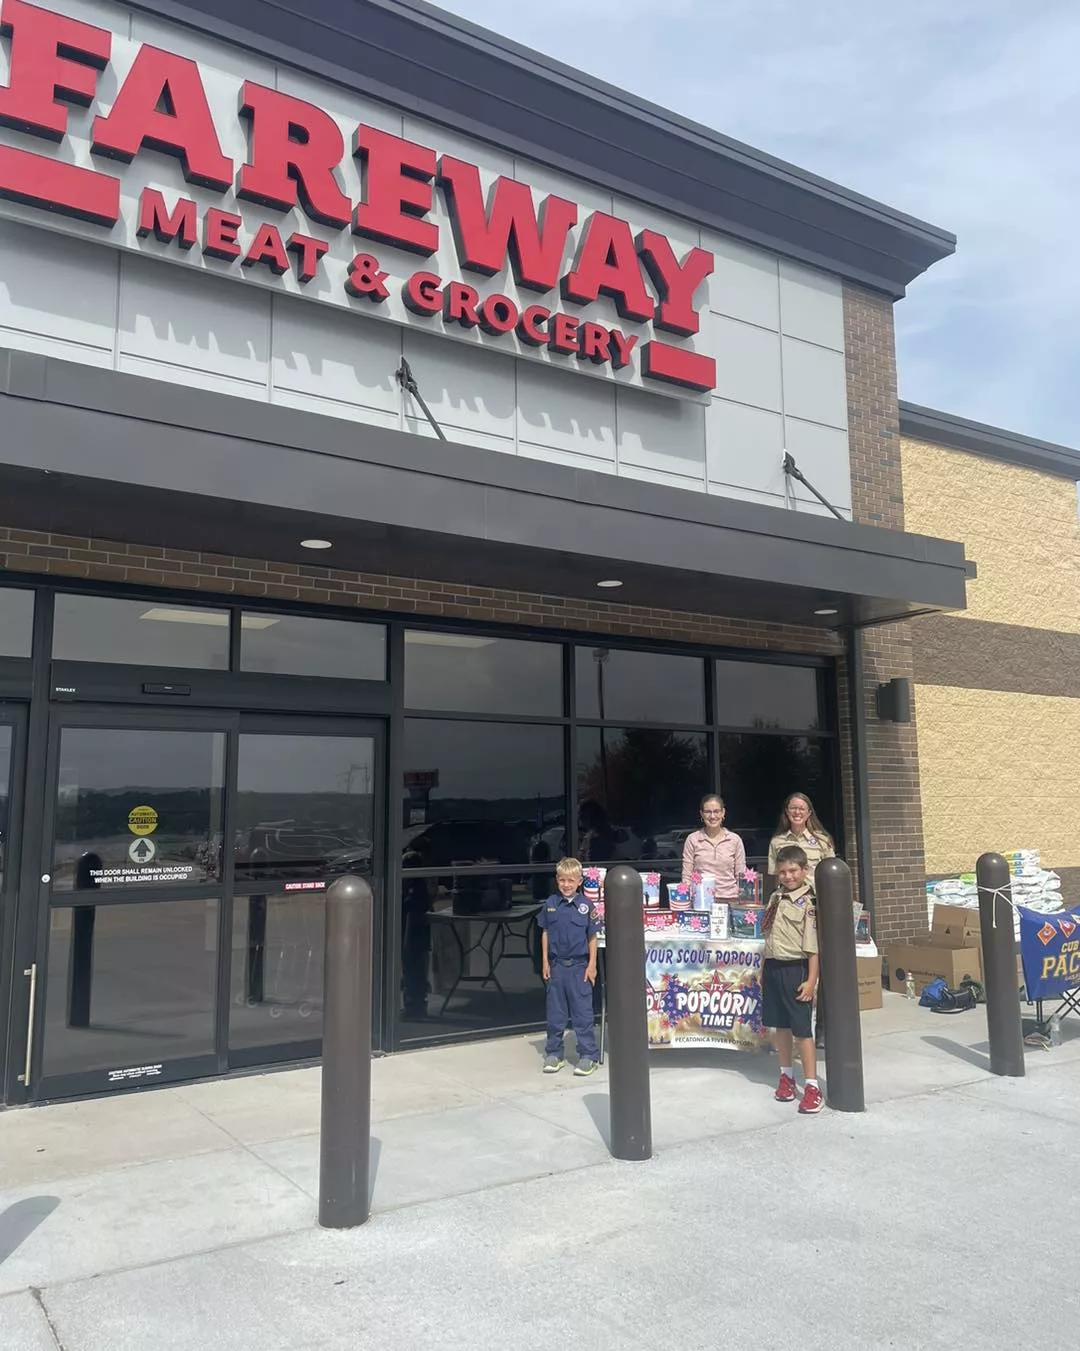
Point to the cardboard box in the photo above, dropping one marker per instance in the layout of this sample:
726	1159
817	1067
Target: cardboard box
955	926
927	961
870	992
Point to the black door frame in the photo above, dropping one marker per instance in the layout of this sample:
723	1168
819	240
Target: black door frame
232	724
118	718
14	983
334	725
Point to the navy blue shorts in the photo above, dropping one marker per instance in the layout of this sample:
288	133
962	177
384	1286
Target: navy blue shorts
781	1009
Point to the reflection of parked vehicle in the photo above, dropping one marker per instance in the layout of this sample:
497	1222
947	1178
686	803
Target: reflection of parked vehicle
288	848
448	843
670	843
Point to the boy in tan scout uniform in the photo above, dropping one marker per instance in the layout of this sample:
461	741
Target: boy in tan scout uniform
790	975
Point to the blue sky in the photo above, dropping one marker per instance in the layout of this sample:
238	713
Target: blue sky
964	113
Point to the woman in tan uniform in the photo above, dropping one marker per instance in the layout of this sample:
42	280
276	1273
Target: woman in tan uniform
799	824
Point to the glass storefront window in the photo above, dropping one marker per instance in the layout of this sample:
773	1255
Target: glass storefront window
478	793
140	633
130	985
611	683
137	807
16	622
280	644
754	694
276	979
638	792
305	807
470	953
757	773
468	673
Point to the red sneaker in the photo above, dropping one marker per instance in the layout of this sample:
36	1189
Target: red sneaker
785	1089
812	1101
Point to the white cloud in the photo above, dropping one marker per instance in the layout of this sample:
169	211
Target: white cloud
965	114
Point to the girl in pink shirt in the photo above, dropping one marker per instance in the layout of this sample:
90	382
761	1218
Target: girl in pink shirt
715	851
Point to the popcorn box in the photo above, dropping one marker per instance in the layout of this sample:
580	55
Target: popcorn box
678	896
703	892
660	921
750	887
719	926
694	922
592	885
650	886
745	921
862	927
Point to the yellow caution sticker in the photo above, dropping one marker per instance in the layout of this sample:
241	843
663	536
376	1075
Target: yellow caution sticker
142	820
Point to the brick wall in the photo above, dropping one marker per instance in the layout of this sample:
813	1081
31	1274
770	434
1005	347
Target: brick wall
67	556
878	499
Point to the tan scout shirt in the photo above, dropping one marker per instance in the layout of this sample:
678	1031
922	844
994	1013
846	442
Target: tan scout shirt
792	932
815	848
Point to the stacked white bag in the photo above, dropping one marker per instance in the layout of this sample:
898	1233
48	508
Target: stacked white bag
1031	884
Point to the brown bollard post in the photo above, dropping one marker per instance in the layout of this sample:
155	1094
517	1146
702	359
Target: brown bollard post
1003	1021
628	1024
840	977
345	1135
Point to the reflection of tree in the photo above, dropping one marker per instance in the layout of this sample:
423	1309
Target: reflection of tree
97	813
758	772
654	778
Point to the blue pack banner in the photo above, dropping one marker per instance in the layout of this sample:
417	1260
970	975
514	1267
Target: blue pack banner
1050	952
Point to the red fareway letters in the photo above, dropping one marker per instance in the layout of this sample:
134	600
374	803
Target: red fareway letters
295	150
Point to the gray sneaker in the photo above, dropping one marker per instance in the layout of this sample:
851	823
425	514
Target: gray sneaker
553	1064
585	1067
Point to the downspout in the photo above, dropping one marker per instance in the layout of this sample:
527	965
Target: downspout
859	715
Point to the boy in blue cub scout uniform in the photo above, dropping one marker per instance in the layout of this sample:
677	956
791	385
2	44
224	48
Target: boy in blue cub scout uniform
569	925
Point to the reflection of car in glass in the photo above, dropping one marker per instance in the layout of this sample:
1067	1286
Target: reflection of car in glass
446	843
288	848
669	844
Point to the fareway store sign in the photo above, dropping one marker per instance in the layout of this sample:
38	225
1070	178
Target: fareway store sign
151	152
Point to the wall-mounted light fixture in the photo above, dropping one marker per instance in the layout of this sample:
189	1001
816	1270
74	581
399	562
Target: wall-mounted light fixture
894	700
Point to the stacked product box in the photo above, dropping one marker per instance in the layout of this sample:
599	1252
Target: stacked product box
720	921
745	921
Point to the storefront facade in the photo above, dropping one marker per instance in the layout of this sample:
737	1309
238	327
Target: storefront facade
550	616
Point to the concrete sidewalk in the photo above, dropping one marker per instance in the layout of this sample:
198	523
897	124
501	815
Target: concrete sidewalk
187	1215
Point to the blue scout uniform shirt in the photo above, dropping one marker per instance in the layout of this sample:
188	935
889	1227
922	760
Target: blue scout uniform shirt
569	924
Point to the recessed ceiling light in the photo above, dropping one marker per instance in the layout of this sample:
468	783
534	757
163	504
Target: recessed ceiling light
315	544
431	638
826	612
163	614
609	582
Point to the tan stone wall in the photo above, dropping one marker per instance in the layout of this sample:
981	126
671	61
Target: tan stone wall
999	772
1020	527
998	762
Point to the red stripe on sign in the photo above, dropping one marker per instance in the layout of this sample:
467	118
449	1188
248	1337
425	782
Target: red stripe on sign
691	370
38	180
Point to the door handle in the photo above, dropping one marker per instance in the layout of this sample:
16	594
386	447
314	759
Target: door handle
30	971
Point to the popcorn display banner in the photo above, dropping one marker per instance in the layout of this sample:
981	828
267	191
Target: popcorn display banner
700	994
